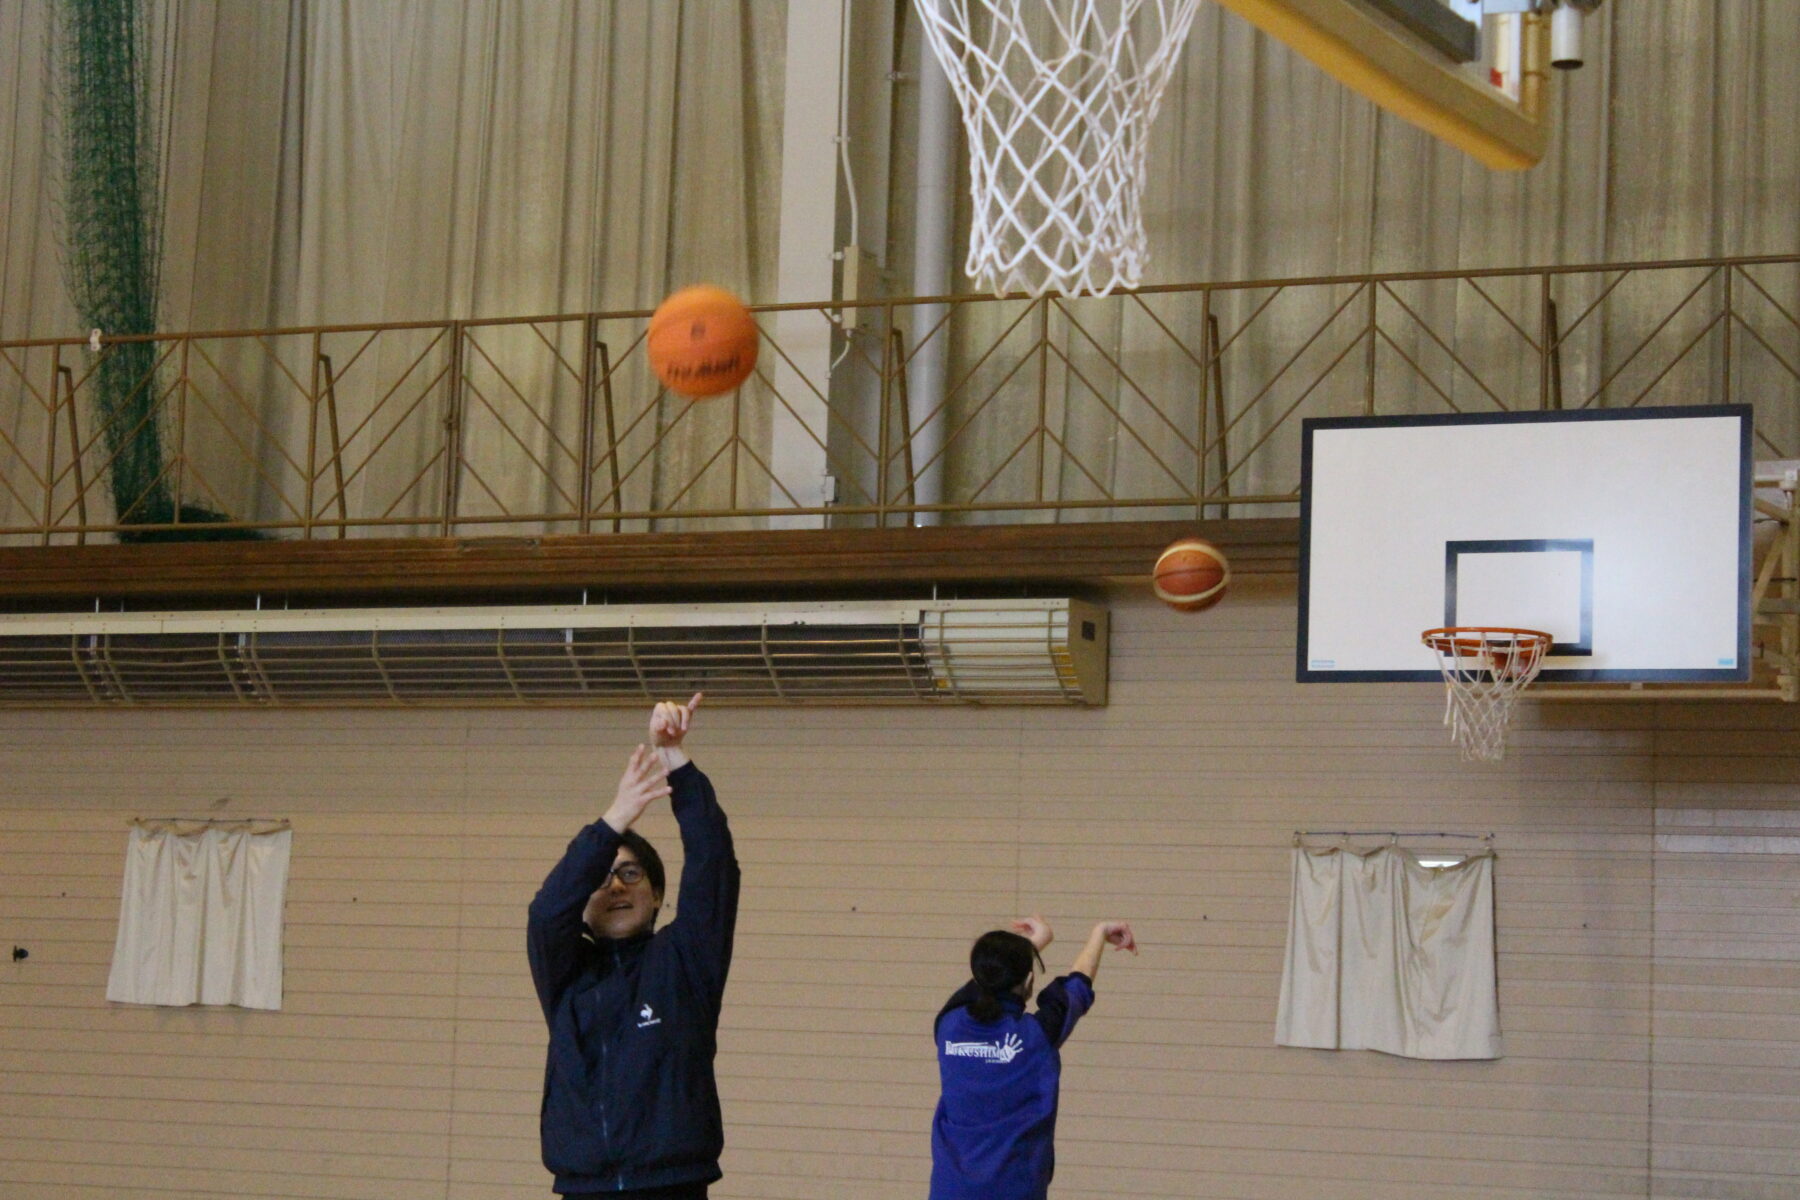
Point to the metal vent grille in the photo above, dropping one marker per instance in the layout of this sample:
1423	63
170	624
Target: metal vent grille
1039	651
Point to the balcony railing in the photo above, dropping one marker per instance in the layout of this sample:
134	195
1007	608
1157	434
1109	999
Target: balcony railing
1160	402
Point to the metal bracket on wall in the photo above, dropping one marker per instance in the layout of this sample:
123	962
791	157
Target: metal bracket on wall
1775	596
1774	614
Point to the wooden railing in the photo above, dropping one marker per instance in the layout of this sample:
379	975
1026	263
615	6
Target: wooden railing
1159	402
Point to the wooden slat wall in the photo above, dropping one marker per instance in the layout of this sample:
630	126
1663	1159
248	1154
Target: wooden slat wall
1645	992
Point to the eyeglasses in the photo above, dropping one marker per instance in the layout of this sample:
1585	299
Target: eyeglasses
626	873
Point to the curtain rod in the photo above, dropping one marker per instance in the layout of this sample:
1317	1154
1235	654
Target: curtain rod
1388	833
280	823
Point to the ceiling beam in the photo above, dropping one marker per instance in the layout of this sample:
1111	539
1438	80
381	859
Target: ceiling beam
1369	56
633	564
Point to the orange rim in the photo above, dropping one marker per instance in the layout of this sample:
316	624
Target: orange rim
1473	639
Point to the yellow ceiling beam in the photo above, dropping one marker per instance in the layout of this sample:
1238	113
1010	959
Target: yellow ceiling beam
1371	58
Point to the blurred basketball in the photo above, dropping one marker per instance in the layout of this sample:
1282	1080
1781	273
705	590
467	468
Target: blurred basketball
702	341
1191	574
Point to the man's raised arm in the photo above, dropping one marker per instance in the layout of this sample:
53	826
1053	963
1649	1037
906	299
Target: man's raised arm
553	925
706	907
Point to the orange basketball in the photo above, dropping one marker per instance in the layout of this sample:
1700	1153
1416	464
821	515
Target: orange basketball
1191	574
702	341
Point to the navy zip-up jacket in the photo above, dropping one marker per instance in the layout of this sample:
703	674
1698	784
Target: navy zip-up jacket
629	1096
994	1134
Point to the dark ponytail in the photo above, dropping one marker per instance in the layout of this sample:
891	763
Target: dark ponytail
1000	961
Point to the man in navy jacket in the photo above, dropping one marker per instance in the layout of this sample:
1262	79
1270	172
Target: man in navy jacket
630	1105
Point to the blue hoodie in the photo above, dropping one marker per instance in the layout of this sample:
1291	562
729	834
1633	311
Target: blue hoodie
994	1132
629	1096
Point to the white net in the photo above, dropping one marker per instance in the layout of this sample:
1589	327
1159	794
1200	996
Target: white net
1058	97
1484	671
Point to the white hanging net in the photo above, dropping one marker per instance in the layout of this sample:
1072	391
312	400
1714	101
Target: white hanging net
1484	671
1058	97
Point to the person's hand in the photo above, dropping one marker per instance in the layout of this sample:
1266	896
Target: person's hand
645	779
1034	929
669	722
1118	935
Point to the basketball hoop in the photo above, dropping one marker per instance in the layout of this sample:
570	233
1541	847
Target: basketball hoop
1485	668
1058	104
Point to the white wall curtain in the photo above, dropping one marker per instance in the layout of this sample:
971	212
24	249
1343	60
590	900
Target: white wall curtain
200	917
1386	954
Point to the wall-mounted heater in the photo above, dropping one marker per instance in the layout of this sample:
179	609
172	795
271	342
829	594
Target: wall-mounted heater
1049	651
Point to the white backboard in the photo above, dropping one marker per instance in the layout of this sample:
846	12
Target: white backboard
1623	533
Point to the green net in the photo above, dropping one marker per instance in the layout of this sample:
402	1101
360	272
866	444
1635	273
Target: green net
110	222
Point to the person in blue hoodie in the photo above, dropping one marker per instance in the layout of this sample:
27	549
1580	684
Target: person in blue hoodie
994	1132
631	1108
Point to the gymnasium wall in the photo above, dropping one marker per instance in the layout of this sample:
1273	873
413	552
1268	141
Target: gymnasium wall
1649	939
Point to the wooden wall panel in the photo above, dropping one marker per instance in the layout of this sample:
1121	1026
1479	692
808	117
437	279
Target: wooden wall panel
1725	1041
1648	976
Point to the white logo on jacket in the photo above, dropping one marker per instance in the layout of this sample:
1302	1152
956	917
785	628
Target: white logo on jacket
647	1018
998	1053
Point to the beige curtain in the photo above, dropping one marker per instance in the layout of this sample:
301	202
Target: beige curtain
1386	954
391	161
32	299
401	160
200	914
1670	143
496	160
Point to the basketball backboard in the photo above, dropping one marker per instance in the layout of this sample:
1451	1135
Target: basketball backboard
1477	82
1623	533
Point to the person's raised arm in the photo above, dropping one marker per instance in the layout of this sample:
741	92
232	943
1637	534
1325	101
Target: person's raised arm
553	926
669	724
1113	933
646	778
1060	1002
1065	1000
706	907
1035	930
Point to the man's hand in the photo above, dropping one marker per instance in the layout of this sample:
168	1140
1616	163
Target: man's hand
1034	929
645	779
1117	935
669	721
